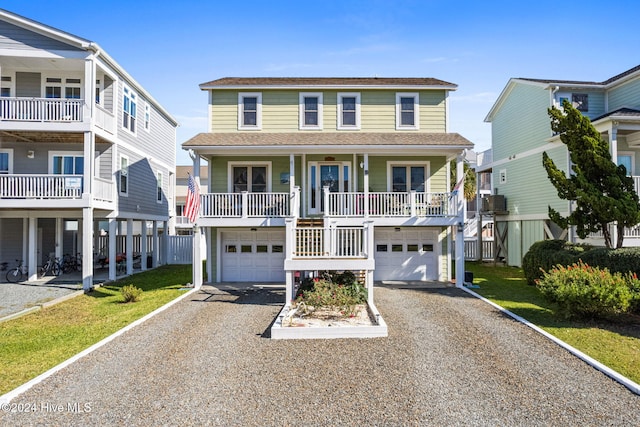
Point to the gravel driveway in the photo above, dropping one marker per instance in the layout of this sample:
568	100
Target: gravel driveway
450	359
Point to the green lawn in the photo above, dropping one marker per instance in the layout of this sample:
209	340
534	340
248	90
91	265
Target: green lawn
615	344
32	344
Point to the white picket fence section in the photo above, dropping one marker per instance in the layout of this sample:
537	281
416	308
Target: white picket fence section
180	250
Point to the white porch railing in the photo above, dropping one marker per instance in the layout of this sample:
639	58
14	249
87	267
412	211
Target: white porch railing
334	242
382	204
41	109
41	186
245	205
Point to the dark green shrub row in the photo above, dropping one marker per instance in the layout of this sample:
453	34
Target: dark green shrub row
546	254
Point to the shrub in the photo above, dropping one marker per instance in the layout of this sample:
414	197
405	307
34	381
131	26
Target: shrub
623	260
546	254
130	293
580	290
342	294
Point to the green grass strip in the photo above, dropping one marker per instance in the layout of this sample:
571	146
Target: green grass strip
33	344
615	344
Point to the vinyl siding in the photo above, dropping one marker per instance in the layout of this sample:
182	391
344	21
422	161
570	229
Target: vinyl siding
625	95
219	172
160	141
511	134
142	195
14	37
528	189
596	105
11	247
280	111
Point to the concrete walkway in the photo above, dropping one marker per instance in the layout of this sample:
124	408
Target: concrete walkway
450	359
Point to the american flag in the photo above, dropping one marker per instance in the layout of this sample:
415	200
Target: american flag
192	208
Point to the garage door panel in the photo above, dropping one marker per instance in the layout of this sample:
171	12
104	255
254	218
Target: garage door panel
405	255
258	257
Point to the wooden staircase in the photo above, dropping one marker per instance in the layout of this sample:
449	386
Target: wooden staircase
310	222
312	242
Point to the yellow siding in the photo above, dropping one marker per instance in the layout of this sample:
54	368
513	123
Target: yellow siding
280	112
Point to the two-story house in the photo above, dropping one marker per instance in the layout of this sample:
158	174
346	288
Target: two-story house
521	132
308	174
85	151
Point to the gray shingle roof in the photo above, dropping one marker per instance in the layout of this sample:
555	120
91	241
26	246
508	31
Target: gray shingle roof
249	139
326	81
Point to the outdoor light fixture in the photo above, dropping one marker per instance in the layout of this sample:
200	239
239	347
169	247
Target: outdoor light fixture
31	154
460	227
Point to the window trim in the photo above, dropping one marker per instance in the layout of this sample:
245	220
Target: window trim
133	99
231	165
241	96
126	158
302	111
53	154
409	163
159	187
6	82
147	117
416	110
9	152
341	125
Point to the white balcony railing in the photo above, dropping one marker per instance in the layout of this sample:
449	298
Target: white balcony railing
245	205
41	109
379	204
105	120
41	186
103	189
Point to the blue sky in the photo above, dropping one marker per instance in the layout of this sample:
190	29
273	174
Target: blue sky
170	47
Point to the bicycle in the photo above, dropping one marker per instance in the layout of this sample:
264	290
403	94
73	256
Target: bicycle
52	265
71	263
18	274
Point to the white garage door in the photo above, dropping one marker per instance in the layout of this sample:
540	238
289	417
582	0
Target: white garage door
406	254
253	256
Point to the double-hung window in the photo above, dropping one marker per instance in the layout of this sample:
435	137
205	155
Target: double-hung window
159	187
129	107
249	111
147	117
310	110
123	184
5	86
407	116
348	111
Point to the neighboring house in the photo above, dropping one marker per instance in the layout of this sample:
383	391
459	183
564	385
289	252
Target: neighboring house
521	131
310	174
85	151
182	225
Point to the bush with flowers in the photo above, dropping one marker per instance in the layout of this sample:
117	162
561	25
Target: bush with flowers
339	292
583	291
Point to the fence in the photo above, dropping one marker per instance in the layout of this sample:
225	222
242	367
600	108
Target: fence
471	249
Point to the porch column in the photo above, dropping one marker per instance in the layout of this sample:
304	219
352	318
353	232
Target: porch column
113	223
89	82
613	147
32	261
197	258
303	193
89	154
165	244
459	227
479	254
207	255
143	245
365	183
59	238
87	249
156	248
292	173
129	245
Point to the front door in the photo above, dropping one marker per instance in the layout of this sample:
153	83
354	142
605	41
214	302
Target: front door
329	175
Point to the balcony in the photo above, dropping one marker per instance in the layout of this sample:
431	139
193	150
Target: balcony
51	187
245	205
41	110
383	204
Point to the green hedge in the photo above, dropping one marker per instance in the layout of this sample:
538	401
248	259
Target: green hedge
547	254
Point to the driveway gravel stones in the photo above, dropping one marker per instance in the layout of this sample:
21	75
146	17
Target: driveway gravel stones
450	359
